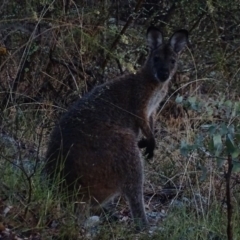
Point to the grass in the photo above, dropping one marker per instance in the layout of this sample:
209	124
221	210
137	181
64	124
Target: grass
47	216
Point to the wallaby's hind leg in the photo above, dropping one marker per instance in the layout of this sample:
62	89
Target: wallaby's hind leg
134	196
132	183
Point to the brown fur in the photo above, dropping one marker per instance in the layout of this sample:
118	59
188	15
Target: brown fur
96	140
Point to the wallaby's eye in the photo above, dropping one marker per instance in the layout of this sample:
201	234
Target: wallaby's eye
156	59
173	61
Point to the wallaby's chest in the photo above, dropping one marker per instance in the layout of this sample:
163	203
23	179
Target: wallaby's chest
156	98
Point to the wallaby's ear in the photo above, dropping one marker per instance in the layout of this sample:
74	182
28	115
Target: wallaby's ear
154	37
179	40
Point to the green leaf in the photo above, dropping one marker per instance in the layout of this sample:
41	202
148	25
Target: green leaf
229	144
207	126
221	101
179	99
185	148
236	166
237	108
228	108
194	104
237	136
209	111
211	128
223	129
210	146
236	153
192	100
230	147
220	162
199	140
217	142
231	130
228	103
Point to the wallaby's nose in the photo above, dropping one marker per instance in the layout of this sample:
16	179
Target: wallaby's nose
163	74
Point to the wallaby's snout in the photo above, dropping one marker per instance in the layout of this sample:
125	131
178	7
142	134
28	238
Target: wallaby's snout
163	58
163	74
94	147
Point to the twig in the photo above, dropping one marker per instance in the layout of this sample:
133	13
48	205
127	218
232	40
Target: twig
197	21
119	66
127	24
228	196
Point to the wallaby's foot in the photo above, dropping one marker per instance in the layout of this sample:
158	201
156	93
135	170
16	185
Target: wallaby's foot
134	194
141	225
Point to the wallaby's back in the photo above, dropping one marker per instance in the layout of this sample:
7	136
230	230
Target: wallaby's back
94	145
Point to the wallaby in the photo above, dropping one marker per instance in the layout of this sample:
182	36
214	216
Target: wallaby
95	144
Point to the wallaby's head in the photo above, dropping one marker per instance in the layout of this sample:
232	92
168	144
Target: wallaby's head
163	56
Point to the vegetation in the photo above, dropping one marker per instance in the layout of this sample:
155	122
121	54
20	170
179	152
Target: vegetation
53	52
